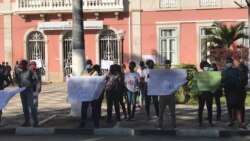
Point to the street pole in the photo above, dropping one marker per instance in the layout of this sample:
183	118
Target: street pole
78	52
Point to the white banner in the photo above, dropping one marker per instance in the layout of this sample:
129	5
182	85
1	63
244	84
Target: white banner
166	82
7	94
85	88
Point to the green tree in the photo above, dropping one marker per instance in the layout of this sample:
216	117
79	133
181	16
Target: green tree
223	36
224	43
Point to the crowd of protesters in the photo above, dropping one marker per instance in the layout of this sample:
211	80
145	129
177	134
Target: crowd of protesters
131	86
123	87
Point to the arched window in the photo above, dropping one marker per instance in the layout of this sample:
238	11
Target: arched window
35	46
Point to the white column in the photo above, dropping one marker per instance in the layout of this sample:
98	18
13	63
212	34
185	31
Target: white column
8	52
136	39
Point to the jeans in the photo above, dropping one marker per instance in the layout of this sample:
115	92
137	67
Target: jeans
131	99
27	100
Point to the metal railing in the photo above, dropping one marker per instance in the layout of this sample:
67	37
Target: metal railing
168	3
66	5
208	3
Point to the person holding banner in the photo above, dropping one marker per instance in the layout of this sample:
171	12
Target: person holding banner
167	100
95	104
28	80
232	83
131	82
217	94
205	97
150	64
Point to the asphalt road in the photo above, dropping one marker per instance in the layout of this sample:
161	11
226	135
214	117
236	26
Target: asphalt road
114	138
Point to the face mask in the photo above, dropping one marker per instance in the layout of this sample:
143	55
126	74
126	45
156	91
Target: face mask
229	65
206	68
211	69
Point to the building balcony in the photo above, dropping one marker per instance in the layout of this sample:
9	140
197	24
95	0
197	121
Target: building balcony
65	6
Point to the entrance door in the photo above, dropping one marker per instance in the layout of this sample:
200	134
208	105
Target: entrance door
67	54
109	49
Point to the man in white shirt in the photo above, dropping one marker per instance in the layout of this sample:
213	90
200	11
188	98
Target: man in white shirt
150	65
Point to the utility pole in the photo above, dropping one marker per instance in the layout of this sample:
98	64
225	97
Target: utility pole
78	52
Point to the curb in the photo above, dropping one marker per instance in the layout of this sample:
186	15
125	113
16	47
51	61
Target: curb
209	133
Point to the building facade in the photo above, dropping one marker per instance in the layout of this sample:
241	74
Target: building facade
116	31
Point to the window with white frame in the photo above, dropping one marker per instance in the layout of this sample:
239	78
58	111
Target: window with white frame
243	2
168	3
204	45
245	41
168	45
208	3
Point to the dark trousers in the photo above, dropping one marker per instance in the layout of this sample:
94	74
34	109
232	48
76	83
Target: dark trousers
95	114
1	115
218	106
205	97
27	99
156	104
113	98
121	101
99	104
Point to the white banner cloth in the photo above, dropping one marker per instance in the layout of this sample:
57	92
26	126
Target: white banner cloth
165	82
85	88
7	94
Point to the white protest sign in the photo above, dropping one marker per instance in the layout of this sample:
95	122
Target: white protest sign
105	64
165	82
85	88
7	94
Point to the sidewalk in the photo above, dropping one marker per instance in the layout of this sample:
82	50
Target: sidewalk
52	103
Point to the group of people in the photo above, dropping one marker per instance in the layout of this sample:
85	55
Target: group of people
126	86
234	82
129	85
123	86
26	75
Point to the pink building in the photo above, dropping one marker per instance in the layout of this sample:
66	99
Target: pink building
115	30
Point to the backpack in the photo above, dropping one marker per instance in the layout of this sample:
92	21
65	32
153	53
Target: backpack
113	83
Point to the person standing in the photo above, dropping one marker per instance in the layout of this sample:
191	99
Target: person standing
2	86
36	88
244	81
94	103
217	95
167	100
123	89
8	73
205	97
150	64
141	84
28	80
112	92
131	82
16	71
231	80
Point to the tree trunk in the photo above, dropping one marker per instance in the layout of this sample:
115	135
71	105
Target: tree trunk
78	53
